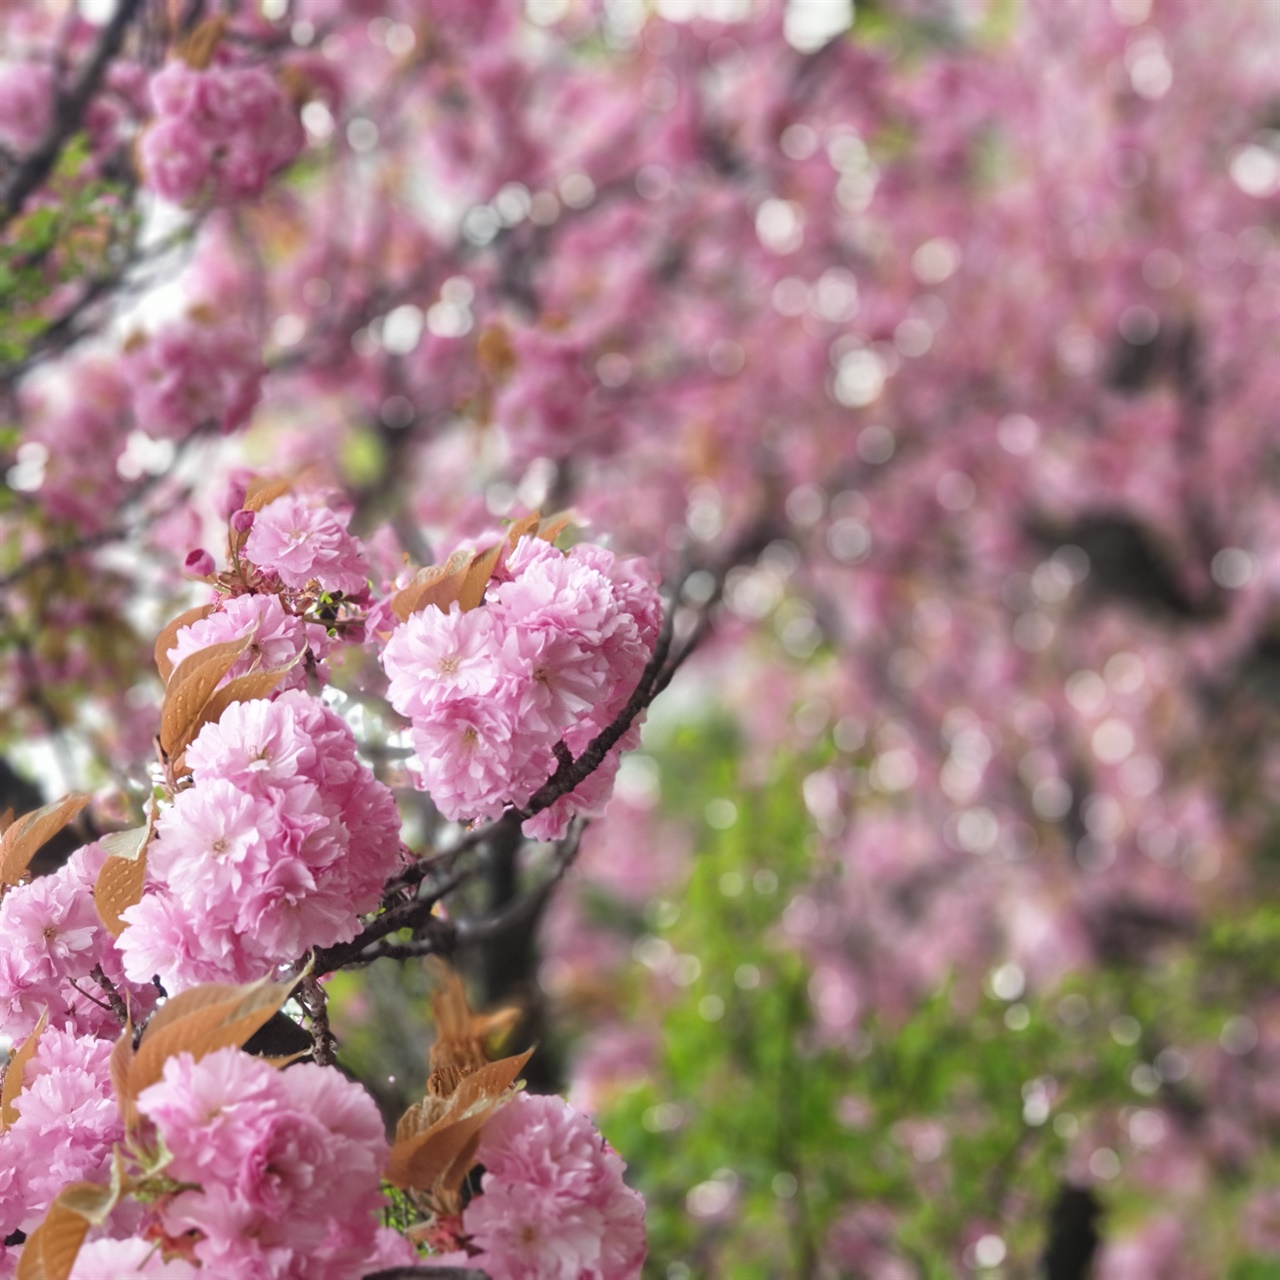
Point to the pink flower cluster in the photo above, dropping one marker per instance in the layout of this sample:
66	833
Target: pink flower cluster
554	1205
84	436
552	656
282	841
279	638
53	941
220	132
26	93
67	1124
194	373
301	542
287	1167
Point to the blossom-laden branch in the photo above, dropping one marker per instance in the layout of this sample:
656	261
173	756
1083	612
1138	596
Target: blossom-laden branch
69	106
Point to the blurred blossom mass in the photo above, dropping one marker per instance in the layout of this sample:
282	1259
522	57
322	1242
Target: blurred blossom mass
865	795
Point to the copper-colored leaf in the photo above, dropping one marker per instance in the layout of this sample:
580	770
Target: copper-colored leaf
526	526
169	637
439	1157
121	1063
191	686
553	526
198	48
437	585
254	684
261	492
496	355
18	1060
6	820
51	1249
207	1018
427	1161
23	839
120	881
460	1033
476	579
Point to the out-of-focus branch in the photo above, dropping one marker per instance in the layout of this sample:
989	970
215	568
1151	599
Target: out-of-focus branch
68	110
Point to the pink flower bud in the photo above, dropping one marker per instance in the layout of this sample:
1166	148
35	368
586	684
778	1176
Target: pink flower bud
242	520
199	563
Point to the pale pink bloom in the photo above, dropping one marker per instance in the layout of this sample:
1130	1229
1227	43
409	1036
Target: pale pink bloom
56	937
120	1259
554	1205
288	1165
279	638
258	745
177	160
300	543
26	103
194	374
554	677
66	1126
434	655
466	748
549	590
283	841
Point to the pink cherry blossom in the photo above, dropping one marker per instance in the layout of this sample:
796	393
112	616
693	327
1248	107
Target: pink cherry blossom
300	542
554	1205
287	1165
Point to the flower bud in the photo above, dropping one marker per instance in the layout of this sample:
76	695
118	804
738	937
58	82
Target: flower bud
199	563
242	520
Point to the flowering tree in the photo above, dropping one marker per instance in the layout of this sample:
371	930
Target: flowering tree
929	362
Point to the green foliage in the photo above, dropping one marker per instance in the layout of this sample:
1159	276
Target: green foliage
754	1133
79	234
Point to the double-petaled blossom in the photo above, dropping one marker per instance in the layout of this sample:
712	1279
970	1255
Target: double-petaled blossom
280	844
219	133
283	1167
551	656
54	941
554	1205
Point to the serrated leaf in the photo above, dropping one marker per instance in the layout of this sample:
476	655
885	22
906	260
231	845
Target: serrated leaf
190	688
52	1248
120	882
438	1158
23	839
200	1021
14	1069
525	526
169	637
245	688
262	492
476	579
438	584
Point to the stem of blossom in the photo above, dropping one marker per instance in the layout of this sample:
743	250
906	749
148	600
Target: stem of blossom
114	1000
315	1005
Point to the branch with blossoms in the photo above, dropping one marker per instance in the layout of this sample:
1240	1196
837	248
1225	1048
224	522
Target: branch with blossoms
268	839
